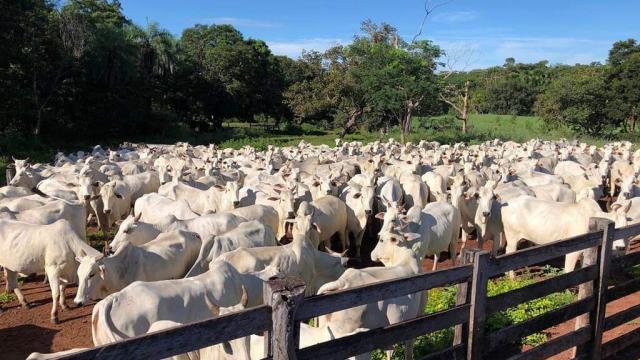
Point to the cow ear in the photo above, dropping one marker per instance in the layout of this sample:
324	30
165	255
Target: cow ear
101	269
316	227
380	216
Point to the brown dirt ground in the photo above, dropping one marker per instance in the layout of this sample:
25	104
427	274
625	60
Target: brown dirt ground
27	330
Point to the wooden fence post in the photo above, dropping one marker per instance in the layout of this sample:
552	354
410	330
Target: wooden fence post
462	298
284	295
477	315
600	255
10	172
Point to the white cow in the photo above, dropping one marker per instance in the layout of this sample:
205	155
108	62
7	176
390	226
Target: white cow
398	253
168	256
330	216
138	232
27	248
74	212
197	298
568	220
247	235
438	224
154	207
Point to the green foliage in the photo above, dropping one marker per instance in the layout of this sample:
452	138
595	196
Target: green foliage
578	99
440	299
6	297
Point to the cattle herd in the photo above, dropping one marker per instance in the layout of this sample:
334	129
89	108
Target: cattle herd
199	229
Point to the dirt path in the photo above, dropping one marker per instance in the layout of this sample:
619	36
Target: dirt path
27	330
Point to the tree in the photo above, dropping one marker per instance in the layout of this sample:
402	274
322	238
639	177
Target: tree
397	77
578	99
624	77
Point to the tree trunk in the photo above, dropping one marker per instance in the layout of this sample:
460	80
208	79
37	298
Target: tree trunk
465	107
405	125
351	123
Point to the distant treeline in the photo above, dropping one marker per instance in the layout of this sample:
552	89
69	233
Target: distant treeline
83	70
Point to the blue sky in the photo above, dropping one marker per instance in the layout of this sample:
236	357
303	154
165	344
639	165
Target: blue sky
477	33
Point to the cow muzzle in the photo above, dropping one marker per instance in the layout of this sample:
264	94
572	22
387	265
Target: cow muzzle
485	214
236	203
107	211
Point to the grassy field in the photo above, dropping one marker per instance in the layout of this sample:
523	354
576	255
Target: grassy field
443	129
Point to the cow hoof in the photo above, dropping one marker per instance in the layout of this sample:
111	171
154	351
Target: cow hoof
54	320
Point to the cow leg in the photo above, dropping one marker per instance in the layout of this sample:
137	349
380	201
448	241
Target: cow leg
12	285
343	236
54	284
63	305
512	246
571	260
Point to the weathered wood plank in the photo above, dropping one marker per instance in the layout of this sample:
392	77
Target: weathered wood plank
515	332
454	352
477	316
461	331
380	338
623	262
600	286
556	346
285	295
623	289
540	289
612	347
10	172
627	231
622	317
538	254
590	256
184	338
366	294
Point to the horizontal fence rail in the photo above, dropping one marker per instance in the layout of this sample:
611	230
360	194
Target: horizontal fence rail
184	338
286	307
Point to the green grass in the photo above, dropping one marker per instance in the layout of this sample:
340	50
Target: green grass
440	299
6	297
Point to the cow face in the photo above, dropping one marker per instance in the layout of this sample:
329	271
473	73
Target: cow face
23	178
485	198
627	187
229	195
20	164
88	188
618	214
110	197
394	246
91	275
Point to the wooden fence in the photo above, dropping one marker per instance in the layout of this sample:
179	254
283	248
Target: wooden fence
286	308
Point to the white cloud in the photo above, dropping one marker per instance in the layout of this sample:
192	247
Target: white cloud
241	22
294	49
491	50
455	16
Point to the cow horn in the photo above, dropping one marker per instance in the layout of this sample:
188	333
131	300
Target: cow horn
215	310
137	218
